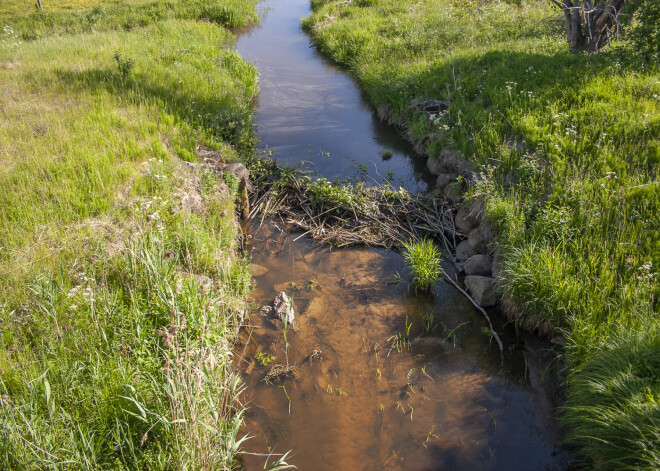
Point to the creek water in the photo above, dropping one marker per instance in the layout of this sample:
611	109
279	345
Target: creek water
381	378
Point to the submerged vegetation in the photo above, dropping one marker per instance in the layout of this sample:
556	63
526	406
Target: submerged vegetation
566	149
122	288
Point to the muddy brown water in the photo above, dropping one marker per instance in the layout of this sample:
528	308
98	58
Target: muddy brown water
383	379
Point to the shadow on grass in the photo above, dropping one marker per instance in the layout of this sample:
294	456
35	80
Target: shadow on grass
232	124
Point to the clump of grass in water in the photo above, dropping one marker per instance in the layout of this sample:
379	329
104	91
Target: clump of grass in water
423	260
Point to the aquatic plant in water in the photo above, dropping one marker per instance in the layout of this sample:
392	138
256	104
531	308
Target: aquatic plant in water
423	260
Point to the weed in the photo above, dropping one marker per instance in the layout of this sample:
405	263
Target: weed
124	66
423	260
264	358
121	292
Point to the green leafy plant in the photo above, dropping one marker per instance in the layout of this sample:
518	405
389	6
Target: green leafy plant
123	65
423	260
264	358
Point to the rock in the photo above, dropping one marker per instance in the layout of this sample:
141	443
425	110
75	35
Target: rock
434	166
192	203
445	179
282	286
266	311
238	170
316	307
482	289
447	162
478	265
453	193
431	106
466	220
385	113
210	155
283	309
464	251
258	270
480	238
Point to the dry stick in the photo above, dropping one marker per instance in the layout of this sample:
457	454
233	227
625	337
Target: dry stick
483	311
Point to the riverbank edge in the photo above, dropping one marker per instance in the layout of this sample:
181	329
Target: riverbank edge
477	255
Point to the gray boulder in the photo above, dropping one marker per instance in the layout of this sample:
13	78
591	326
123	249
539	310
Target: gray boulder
483	290
467	219
479	264
238	170
480	238
445	179
453	193
431	106
283	309
464	251
434	165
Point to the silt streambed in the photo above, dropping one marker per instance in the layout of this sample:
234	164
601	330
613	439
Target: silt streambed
382	378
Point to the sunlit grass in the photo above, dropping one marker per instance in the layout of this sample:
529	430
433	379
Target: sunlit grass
122	288
23	7
423	260
29	24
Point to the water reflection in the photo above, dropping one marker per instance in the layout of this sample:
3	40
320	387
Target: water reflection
310	113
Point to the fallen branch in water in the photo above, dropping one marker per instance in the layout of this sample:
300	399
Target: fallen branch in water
481	309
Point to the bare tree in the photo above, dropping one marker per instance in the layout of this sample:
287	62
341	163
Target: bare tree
590	23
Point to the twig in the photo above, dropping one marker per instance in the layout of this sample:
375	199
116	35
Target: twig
481	309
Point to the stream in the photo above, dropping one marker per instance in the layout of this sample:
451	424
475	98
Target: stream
381	378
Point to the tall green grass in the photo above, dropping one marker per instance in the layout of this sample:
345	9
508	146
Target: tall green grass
567	150
122	287
423	260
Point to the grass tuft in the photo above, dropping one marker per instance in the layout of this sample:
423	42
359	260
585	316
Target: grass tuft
423	260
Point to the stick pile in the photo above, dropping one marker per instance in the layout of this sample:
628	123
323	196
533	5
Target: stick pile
344	214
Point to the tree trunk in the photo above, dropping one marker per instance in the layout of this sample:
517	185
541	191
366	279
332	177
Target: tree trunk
589	25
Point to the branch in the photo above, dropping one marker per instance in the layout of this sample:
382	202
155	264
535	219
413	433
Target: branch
483	311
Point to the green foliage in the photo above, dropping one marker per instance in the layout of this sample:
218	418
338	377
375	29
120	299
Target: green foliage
124	66
125	16
120	284
323	192
615	397
644	26
423	260
232	183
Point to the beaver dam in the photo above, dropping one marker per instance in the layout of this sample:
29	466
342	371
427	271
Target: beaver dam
346	215
352	369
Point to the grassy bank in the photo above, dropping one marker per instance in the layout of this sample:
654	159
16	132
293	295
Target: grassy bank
567	149
76	16
122	289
